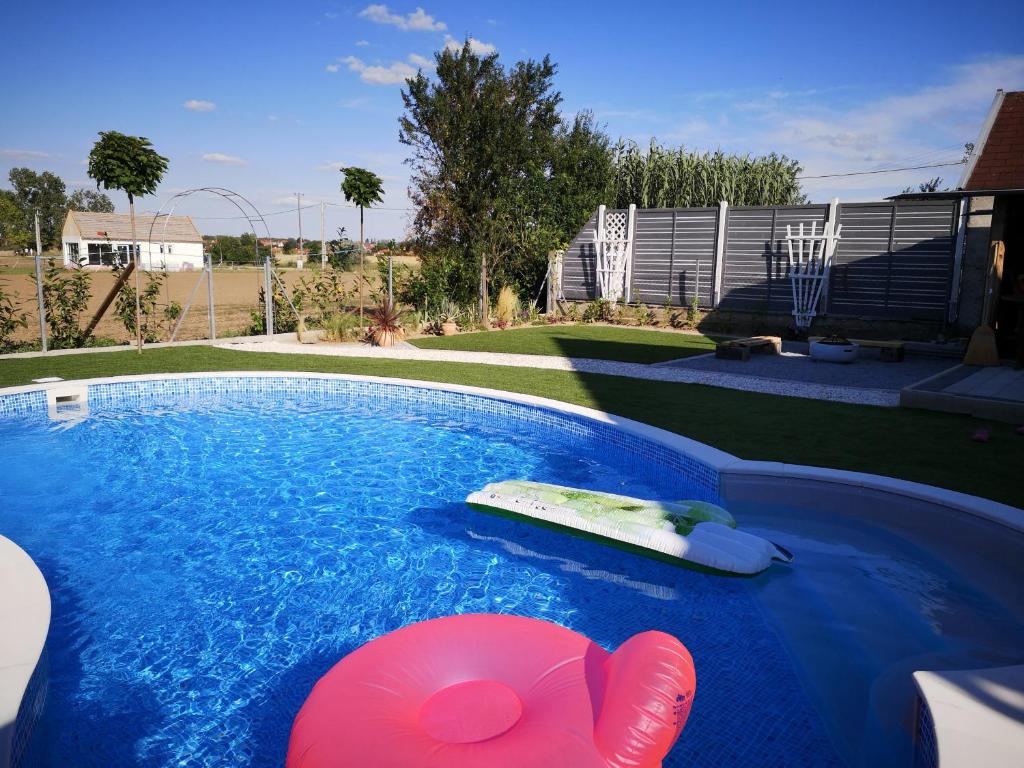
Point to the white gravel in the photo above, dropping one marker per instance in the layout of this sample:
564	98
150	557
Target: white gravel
813	391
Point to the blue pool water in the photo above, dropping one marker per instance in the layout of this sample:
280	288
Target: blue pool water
209	563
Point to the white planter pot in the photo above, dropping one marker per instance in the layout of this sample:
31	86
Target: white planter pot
834	353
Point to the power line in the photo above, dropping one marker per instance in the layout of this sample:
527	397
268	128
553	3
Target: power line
883	170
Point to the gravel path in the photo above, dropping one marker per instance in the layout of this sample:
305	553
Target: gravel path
685	374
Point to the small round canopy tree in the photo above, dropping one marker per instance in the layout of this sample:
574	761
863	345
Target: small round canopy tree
130	164
364	188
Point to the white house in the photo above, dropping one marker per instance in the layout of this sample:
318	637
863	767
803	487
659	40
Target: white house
96	239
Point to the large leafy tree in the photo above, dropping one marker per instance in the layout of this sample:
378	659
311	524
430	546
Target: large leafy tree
497	178
130	164
43	192
91	201
14	231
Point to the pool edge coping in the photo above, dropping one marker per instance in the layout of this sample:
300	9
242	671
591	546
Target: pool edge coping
23	590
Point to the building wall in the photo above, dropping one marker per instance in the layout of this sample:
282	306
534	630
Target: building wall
974	271
181	256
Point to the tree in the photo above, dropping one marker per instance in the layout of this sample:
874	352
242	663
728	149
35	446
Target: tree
43	192
14	231
130	164
932	185
480	138
364	188
91	201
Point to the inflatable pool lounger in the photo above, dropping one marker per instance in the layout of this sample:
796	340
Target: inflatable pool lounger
693	531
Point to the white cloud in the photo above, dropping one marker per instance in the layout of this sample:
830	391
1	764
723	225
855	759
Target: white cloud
417	21
362	43
273	118
332	67
478	47
24	154
335	166
222	159
395	73
421	61
199	105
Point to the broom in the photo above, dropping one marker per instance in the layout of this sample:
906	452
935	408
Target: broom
981	350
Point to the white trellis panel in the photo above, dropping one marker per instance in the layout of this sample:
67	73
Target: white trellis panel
810	262
614	251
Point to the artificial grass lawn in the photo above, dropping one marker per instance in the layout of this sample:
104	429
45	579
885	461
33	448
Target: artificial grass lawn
927	447
598	342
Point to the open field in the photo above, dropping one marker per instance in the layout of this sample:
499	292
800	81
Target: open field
926	447
598	342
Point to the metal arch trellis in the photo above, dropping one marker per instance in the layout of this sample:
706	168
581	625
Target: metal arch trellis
253	216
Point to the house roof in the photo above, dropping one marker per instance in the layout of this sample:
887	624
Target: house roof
997	162
118	226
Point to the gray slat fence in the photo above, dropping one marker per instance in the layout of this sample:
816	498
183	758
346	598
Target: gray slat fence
895	260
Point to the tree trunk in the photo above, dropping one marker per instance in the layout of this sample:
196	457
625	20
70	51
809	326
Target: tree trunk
138	266
362	270
484	299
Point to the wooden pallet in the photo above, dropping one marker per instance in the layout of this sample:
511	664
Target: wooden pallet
890	351
741	349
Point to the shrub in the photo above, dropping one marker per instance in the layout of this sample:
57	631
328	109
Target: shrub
342	326
645	315
693	311
284	318
385	324
599	310
507	307
65	297
124	306
11	319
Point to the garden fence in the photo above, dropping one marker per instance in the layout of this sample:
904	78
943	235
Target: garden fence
895	260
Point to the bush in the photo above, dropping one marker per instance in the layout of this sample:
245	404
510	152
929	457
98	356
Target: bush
124	306
65	297
11	319
284	318
599	310
507	307
342	326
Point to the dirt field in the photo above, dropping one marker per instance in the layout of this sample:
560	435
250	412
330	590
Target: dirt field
236	294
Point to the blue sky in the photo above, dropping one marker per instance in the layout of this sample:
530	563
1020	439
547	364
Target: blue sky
270	99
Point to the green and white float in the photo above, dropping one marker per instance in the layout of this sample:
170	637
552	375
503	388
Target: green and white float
695	531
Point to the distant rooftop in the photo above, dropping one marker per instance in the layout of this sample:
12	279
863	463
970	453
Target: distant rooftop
118	226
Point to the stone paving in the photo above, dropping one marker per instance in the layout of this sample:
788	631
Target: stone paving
832	383
867	372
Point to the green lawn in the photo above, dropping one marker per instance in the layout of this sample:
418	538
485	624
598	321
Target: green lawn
916	445
599	342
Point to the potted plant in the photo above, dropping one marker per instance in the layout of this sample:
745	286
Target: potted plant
385	324
834	349
448	316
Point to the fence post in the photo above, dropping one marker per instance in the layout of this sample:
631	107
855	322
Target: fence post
833	219
630	237
39	287
268	299
963	212
723	216
209	296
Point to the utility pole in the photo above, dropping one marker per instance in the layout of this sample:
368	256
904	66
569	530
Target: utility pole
39	286
323	238
298	210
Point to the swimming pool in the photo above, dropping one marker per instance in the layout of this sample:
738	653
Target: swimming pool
211	553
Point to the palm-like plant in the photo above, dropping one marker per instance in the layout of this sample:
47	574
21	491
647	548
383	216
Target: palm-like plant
364	188
130	164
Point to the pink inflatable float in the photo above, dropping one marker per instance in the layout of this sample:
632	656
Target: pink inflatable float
497	691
